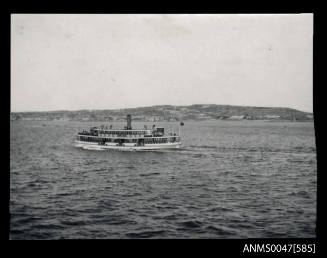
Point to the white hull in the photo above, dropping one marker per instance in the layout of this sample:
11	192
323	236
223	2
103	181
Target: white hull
96	146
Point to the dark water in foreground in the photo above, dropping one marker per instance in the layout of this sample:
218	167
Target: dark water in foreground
230	180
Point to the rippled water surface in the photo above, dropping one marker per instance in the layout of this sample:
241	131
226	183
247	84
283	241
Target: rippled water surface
233	179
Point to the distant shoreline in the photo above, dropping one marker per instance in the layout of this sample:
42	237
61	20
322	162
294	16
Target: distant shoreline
168	113
185	121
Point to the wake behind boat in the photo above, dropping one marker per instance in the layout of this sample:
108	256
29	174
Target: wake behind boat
127	138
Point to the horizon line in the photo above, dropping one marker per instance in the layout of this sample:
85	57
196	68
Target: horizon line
86	109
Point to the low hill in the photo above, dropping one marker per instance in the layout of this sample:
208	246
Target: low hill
171	113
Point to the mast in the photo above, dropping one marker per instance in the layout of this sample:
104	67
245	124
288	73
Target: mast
179	128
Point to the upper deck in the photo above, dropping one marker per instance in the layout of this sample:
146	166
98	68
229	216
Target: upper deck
134	132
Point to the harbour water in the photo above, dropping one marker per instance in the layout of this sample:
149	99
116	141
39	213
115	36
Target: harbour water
230	179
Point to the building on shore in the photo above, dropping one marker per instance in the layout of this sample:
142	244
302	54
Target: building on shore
236	117
272	117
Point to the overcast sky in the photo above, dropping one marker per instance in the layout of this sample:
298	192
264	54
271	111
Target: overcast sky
85	61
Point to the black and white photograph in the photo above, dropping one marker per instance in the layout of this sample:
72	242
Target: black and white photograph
162	126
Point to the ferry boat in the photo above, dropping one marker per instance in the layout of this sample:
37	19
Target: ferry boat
127	138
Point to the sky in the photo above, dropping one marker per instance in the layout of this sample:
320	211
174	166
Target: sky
113	61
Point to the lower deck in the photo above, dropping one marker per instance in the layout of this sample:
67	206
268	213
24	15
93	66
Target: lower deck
128	140
126	146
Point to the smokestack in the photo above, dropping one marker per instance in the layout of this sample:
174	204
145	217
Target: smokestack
129	122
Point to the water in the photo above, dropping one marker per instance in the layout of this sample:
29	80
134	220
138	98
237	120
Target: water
231	179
